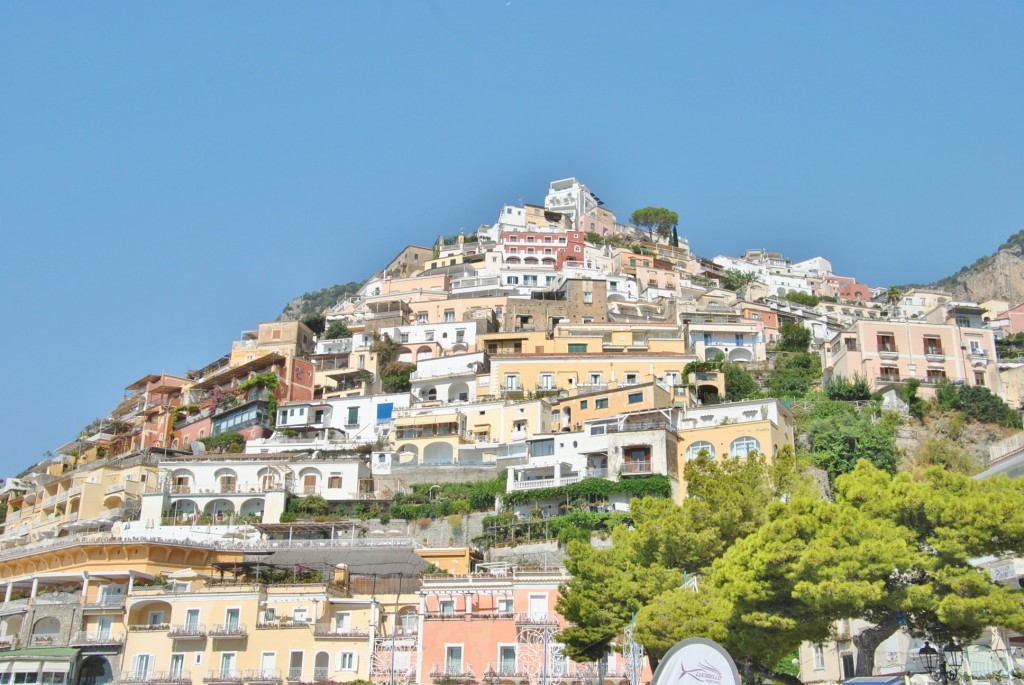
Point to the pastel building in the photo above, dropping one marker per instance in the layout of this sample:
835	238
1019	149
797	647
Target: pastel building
889	353
498	625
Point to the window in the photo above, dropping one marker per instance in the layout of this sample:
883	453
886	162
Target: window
347	661
588	298
635	398
453	660
192	619
819	657
739	340
300	615
935	375
512	381
547	381
177	664
963	322
353	416
460	335
422	317
512	280
979	378
889	373
577	348
449	315
742	447
231	618
141	665
529	280
632	378
446	607
506	660
429	336
601	403
694	450
334	481
542	448
932	344
506	605
584	404
851	344
886	342
595	378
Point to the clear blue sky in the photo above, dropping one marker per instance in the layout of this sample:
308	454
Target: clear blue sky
173	173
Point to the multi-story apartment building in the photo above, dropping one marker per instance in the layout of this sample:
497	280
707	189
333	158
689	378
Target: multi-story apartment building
513	618
286	338
222	489
889	353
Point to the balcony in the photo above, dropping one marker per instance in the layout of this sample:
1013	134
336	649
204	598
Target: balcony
44	640
637	468
7	641
888	352
330	632
539	483
187	632
497	672
229	630
593	472
149	627
157	677
452	672
529	619
224	675
115	603
85	638
263	675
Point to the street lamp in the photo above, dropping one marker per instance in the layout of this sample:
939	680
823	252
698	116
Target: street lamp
943	665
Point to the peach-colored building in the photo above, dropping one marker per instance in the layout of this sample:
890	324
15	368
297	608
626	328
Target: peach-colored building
497	625
888	353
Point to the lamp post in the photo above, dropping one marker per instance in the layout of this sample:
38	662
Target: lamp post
943	665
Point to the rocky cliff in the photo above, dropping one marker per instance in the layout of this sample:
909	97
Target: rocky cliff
997	277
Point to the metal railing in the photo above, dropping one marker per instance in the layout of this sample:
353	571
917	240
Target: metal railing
330	631
186	631
462	671
263	675
96	637
44	639
224	675
637	468
156	677
228	630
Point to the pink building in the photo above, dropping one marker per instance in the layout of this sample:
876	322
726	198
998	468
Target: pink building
498	626
889	353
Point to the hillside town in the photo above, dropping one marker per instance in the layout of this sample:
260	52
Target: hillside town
379	490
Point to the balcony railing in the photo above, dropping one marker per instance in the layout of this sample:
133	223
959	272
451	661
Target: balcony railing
320	674
112	603
535	619
329	631
497	671
228	630
185	632
44	640
96	637
224	675
161	677
263	675
295	674
637	468
148	627
540	483
452	672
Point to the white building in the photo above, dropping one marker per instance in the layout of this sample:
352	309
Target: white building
570	197
219	489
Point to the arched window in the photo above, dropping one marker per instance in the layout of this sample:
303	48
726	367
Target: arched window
694	450
742	447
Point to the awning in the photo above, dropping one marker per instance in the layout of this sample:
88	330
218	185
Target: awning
57	666
876	680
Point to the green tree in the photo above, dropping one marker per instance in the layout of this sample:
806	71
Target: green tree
846	389
316	322
802	298
725	502
889	550
337	329
839	436
739	384
794	375
893	295
658	220
793	337
736	280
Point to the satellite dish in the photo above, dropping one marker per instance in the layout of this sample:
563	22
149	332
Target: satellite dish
198	447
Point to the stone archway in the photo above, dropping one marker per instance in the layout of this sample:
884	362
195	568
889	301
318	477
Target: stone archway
95	670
